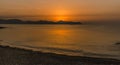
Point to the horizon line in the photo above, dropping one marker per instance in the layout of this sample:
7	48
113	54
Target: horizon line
7	16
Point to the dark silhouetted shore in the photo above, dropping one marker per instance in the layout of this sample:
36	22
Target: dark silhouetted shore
17	21
16	56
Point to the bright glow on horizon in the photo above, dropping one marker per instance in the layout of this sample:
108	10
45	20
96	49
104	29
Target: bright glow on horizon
63	18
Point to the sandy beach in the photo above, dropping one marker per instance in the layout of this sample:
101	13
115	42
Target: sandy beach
16	56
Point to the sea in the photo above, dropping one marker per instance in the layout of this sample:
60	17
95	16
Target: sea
90	40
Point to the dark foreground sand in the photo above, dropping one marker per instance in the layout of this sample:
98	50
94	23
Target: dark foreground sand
16	56
2	27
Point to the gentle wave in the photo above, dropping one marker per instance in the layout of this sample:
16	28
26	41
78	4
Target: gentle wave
63	51
81	52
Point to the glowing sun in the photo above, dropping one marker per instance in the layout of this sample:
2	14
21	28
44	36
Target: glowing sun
61	15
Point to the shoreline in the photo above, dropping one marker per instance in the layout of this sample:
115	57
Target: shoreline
18	56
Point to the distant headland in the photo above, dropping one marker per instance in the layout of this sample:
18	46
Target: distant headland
18	21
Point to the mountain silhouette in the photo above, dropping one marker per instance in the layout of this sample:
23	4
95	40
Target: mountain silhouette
18	21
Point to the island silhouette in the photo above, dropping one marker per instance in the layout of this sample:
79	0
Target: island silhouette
18	21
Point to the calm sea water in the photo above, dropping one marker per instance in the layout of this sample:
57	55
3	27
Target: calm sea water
81	40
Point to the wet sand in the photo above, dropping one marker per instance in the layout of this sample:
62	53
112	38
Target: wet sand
17	56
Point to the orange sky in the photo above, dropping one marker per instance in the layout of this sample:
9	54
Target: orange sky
59	7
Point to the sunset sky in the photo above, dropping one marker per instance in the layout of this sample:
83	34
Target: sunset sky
59	7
